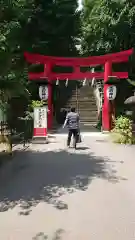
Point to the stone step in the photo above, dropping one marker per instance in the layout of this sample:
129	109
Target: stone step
88	107
87	103
89	112
82	94
85	92
84	109
85	89
88	120
92	114
84	98
82	101
88	124
82	106
87	116
82	90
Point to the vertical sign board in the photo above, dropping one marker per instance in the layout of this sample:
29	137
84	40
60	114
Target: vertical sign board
40	122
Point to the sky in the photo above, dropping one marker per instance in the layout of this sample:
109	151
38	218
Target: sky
80	4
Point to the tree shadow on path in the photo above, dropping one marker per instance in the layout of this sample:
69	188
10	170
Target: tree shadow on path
56	236
46	176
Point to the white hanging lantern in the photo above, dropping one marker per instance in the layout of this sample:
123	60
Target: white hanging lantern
57	82
43	92
66	84
111	92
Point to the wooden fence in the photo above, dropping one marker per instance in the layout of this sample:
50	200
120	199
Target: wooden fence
12	136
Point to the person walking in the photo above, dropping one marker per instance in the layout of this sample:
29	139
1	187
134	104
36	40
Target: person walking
72	122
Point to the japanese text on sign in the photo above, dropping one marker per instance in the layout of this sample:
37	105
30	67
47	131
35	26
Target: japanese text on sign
111	92
40	117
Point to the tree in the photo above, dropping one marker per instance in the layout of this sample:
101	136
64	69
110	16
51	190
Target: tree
57	26
13	14
12	76
48	27
107	26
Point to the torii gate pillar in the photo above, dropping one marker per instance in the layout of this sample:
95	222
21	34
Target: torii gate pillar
106	110
50	105
47	70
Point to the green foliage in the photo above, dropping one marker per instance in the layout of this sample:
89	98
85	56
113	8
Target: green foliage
132	82
32	105
122	133
57	29
57	25
107	26
13	14
123	124
37	104
13	77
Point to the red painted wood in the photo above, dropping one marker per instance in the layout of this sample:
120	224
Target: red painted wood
106	113
40	132
88	62
73	76
50	107
95	60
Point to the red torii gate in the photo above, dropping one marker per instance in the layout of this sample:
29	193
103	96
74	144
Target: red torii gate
76	63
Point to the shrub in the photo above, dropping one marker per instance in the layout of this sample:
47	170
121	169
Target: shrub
122	132
36	103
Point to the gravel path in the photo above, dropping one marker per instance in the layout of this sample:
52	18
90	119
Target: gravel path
49	192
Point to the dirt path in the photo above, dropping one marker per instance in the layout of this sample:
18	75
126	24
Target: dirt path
58	194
